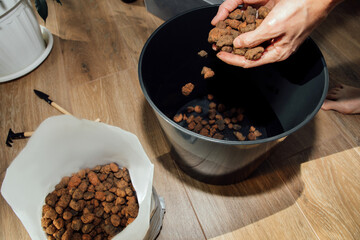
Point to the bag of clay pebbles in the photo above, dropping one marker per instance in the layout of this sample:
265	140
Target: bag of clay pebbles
79	179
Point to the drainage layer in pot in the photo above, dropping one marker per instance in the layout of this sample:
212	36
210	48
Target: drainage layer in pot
277	99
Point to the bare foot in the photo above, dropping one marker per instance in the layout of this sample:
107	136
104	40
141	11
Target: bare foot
344	99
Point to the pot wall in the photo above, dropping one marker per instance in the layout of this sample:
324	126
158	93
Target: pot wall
21	41
211	161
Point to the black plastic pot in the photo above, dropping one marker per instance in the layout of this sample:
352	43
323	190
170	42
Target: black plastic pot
278	98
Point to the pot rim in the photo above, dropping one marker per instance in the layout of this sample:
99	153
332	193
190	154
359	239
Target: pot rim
228	142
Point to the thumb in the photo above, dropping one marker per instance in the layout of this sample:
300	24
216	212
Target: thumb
253	38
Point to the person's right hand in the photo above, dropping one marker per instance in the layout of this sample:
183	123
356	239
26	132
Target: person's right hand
288	24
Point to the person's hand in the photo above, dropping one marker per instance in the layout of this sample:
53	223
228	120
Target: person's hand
288	24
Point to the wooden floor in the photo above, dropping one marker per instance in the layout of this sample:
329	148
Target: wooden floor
308	189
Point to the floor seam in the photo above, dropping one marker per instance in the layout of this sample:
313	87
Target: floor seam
295	200
187	195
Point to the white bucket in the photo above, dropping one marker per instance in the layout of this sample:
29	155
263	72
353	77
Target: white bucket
21	40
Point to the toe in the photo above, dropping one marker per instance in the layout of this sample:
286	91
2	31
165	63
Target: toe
332	96
339	85
326	105
329	105
333	91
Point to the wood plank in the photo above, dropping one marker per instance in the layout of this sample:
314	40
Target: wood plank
331	201
349	124
338	39
341	70
342	24
118	100
180	221
320	128
285	224
325	182
108	32
226	209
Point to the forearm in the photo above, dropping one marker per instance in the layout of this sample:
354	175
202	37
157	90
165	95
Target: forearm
316	11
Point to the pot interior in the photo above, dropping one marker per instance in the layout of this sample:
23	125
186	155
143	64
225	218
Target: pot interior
277	98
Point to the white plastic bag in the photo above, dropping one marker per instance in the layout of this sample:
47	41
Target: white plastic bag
63	145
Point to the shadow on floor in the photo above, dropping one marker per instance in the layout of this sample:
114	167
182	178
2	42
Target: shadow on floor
274	186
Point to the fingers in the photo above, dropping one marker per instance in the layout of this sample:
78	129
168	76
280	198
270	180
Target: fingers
232	59
229	5
224	9
271	54
241	61
256	2
213	46
255	38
